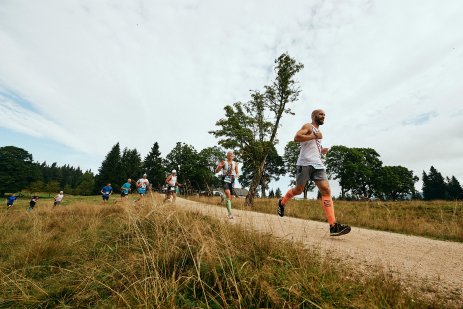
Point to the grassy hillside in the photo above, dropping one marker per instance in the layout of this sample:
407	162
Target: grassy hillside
84	254
434	219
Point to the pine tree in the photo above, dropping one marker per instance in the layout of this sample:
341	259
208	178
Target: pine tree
131	165
454	189
154	167
271	194
434	187
278	193
109	170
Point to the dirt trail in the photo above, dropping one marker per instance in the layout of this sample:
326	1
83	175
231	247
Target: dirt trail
415	260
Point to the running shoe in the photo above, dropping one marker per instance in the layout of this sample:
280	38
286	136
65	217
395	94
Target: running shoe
230	216
338	229
281	209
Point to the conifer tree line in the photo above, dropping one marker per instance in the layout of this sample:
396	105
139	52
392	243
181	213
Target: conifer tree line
359	171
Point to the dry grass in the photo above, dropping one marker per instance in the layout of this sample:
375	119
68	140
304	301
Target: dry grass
89	255
434	219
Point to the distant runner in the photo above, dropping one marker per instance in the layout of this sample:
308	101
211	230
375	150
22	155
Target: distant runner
58	199
126	188
172	183
10	201
310	167
142	187
106	191
33	202
229	170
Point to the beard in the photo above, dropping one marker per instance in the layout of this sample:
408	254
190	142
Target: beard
319	121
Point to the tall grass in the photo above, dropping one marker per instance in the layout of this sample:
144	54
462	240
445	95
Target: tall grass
89	255
434	219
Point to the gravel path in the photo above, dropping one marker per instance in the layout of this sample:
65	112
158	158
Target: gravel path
433	265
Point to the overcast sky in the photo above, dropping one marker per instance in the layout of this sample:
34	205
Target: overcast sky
76	77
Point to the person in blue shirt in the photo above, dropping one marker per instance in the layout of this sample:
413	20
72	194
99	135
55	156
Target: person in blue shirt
106	191
126	188
10	200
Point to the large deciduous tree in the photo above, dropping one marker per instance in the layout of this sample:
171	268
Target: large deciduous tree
17	169
252	128
396	182
358	170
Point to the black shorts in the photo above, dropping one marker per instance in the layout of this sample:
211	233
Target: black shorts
32	204
229	184
124	194
105	197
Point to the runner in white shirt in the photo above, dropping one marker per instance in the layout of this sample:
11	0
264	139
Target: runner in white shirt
172	183
310	167
229	170
142	187
58	199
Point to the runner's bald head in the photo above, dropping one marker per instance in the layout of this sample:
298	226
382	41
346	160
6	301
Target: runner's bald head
315	112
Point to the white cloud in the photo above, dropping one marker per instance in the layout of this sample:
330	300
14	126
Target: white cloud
146	71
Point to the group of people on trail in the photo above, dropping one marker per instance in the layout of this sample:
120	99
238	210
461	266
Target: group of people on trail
143	185
33	201
309	167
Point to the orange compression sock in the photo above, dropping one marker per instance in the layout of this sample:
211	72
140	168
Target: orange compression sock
328	206
289	195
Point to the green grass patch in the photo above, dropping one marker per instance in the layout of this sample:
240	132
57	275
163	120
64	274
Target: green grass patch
89	255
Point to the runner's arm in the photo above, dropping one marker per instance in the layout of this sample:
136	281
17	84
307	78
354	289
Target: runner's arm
219	167
306	134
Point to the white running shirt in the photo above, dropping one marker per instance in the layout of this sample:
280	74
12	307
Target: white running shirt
310	153
172	181
143	183
229	170
59	197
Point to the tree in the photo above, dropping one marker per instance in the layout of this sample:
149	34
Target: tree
396	182
87	185
340	165
290	158
52	187
131	165
211	156
356	169
155	167
273	169
454	189
253	128
191	169
434	187
271	194
278	193
37	186
109	170
17	169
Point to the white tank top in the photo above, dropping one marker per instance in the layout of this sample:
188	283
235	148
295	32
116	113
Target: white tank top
172	181
229	169
310	153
